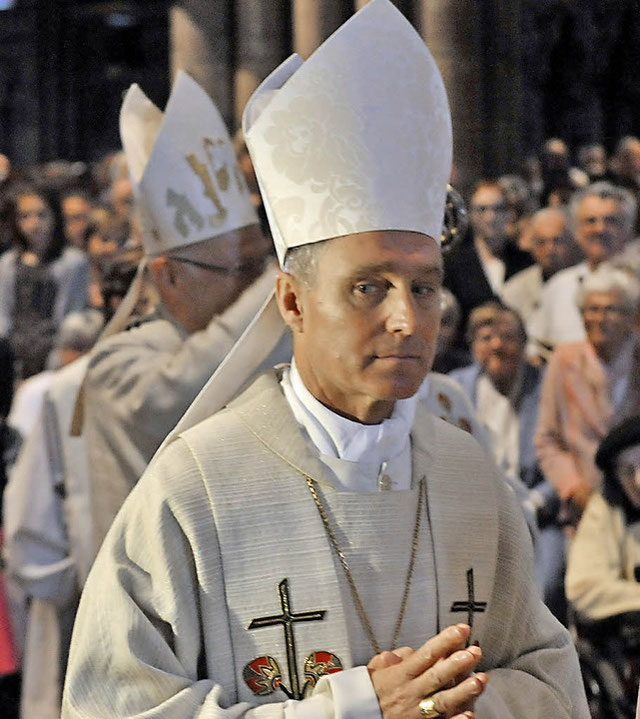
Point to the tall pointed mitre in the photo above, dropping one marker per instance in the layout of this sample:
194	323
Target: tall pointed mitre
355	139
183	168
185	176
186	181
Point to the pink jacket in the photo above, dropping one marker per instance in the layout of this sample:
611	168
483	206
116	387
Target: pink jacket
576	413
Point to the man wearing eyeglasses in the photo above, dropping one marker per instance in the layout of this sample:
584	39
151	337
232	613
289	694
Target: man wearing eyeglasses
601	217
205	255
476	270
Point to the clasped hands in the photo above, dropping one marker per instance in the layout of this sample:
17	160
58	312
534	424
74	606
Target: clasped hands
441	669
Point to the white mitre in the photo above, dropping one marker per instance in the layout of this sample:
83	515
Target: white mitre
356	139
186	179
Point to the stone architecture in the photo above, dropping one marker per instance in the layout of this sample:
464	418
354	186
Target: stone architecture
516	72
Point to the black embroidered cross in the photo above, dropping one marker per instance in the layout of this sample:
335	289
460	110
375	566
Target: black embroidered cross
287	619
470	605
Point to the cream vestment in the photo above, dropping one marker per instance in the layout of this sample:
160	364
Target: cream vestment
139	383
223	516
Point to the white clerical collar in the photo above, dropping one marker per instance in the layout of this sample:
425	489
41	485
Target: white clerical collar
343	438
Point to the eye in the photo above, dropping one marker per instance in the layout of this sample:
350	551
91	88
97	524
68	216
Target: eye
370	289
426	291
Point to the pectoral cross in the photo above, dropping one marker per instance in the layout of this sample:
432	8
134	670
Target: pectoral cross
470	605
288	618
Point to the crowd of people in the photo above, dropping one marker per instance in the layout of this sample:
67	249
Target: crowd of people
124	286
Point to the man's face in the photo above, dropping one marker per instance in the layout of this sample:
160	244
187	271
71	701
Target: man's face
368	324
489	217
499	348
35	221
600	228
76	212
550	243
607	322
236	259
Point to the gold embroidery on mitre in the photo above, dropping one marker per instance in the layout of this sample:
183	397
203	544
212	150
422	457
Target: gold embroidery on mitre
202	171
218	160
184	211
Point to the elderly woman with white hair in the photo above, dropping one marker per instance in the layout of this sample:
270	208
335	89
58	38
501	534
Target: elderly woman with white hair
590	385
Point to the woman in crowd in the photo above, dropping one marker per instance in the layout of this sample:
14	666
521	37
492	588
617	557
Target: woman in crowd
589	385
603	570
604	559
41	280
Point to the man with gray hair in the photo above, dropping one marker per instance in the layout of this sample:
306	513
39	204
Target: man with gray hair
205	253
601	218
553	249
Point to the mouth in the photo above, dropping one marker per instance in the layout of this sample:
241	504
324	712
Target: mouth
399	358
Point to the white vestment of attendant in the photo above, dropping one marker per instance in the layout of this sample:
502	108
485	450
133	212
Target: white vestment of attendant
48	539
139	384
558	320
199	555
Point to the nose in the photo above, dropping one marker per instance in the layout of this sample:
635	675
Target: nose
599	225
495	342
401	317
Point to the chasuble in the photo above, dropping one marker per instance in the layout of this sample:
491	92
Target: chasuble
217	593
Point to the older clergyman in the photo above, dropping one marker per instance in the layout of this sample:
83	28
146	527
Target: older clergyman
205	254
323	547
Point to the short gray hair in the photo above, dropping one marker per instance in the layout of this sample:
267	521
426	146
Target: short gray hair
605	191
302	261
611	279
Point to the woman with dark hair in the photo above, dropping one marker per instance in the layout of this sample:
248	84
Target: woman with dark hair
41	280
603	573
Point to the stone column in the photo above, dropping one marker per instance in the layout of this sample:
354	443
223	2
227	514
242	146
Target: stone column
201	44
451	30
502	70
313	22
262	43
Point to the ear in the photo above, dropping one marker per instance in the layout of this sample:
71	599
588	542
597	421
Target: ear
289	295
163	273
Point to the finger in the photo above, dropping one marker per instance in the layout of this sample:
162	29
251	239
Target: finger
403	652
463	695
438	647
449	670
384	660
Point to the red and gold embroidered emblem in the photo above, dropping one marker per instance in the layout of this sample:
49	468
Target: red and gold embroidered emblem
317	664
262	675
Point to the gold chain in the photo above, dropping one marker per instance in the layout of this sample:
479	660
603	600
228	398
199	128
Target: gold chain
364	619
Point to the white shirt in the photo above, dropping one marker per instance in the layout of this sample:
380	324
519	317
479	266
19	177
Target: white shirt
359	457
500	417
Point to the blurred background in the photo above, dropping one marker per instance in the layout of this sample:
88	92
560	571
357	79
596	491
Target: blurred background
517	71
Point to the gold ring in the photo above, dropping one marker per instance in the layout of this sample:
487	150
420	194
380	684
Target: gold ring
428	709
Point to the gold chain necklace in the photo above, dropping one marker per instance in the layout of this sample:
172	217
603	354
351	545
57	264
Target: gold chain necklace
333	541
